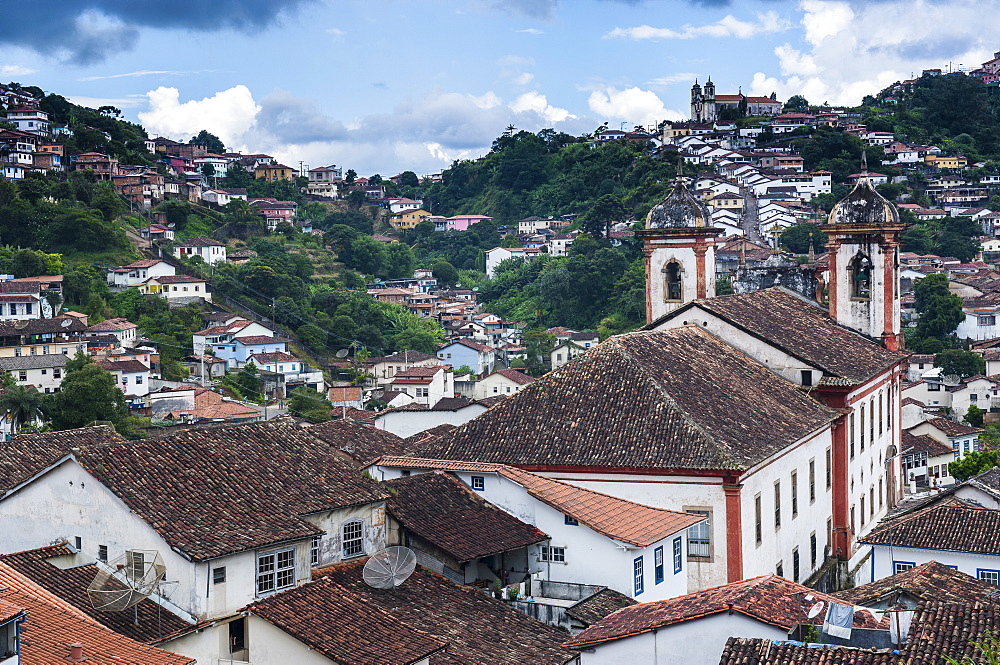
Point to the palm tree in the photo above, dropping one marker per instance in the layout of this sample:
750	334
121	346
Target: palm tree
21	404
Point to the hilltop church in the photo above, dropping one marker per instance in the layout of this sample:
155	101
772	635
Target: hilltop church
774	415
705	104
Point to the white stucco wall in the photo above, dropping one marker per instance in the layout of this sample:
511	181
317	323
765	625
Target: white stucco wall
408	423
665	253
968	563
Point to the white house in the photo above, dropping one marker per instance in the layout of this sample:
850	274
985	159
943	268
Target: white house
499	254
224	333
501	383
594	538
177	287
294	372
210	251
962	439
383	368
225	544
925	459
23	301
694	628
122	329
410	417
44	372
132	376
428	385
133	274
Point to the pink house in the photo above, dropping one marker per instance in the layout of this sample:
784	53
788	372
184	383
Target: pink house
463	222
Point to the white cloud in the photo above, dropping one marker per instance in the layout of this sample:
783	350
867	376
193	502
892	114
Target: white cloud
537	103
523	79
531	31
670	79
728	26
227	114
853	50
633	105
515	60
15	70
147	72
98	102
336	32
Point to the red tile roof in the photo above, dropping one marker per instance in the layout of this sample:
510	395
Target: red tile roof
515	376
260	339
363	443
276	357
951	428
202	241
112	325
178	279
53	624
924	443
475	346
441	510
950	524
931	581
627	521
769	599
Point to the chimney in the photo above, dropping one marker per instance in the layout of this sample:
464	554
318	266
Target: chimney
76	652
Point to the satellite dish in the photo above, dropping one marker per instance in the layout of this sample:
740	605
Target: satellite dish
342	353
389	568
67	323
952	380
815	610
125	581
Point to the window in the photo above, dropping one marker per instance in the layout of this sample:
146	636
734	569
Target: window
138	380
779	569
57	373
102	553
829	468
862	511
572	521
777	504
314	551
812	549
553	554
219	575
757	519
989	320
862	430
700	535
658	564
812	481
807	377
860	271
990	576
672	281
637	575
900	566
479	483
678	563
353	538
851	435
795	494
22	375
275	570
137	567
78	542
795	564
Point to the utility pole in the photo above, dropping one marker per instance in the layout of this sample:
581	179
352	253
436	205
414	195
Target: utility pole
273	322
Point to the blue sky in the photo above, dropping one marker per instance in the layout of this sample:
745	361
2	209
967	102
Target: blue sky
405	84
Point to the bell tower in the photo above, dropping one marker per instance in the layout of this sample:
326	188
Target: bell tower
863	231
710	115
679	246
696	102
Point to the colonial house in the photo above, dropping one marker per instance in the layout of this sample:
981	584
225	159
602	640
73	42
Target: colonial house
382	369
224	549
593	538
225	332
132	376
239	351
23	301
290	372
466	353
44	372
428	385
925	459
210	251
135	273
123	330
177	287
501	383
962	439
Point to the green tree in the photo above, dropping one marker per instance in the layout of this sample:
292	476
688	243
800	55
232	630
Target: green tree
248	381
88	393
211	142
940	310
21	405
350	176
796	238
607	210
444	273
972	464
309	404
312	336
960	362
974	416
795	103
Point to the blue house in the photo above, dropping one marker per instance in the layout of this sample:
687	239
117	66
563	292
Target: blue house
238	352
479	357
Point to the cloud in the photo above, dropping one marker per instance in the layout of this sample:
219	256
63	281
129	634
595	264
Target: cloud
336	32
855	49
531	31
147	72
633	105
15	70
670	79
228	114
97	102
542	9
88	31
424	134
728	26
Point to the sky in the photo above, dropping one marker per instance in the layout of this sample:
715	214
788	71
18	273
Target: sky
391	85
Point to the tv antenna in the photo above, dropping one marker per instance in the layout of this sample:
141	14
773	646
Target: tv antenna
389	568
127	580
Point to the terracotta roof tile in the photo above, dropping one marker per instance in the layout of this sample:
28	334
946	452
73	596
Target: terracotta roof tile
591	610
478	629
950	524
931	581
769	599
924	443
276	357
125	366
363	443
259	339
344	627
665	388
201	241
29	454
515	376
53	624
951	428
112	325
441	510
70	584
757	651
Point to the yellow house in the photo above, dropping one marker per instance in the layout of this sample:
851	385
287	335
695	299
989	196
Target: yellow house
727	201
273	172
946	162
670	131
43	349
407	219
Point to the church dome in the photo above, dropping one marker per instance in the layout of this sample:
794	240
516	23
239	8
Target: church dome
864	206
679	210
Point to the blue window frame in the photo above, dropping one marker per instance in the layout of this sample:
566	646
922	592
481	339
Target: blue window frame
988	575
572	521
900	566
637	575
479	483
678	558
658	564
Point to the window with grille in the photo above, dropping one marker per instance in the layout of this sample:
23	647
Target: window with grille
990	576
219	575
658	564
352	536
678	558
275	570
700	536
900	566
314	551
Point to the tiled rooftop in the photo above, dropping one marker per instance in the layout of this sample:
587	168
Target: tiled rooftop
441	510
931	581
591	610
950	524
362	443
